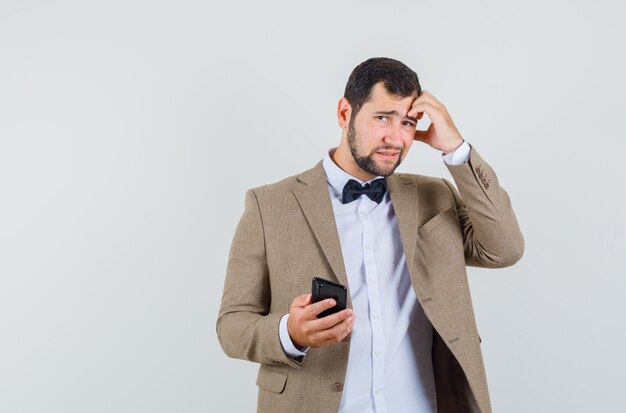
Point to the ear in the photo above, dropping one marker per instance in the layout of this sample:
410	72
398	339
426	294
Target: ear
344	111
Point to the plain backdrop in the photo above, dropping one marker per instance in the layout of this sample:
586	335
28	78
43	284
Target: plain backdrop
130	130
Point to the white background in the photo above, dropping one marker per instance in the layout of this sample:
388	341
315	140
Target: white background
130	130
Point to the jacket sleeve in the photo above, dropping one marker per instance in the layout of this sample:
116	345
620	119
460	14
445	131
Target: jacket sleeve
491	234
245	327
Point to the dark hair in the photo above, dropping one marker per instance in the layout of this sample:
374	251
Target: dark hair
399	80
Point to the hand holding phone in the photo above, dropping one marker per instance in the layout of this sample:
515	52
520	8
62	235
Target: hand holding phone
308	326
322	289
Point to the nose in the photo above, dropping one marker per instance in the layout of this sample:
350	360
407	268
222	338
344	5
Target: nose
394	134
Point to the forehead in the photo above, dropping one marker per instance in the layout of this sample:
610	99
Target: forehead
380	99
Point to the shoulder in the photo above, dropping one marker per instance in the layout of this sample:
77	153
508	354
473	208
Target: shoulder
284	188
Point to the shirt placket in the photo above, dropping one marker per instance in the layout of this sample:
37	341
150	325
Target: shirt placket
373	296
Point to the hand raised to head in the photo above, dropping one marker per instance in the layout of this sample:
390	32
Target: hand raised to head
442	134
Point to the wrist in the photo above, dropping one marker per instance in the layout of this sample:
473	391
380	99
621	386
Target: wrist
291	349
453	147
292	336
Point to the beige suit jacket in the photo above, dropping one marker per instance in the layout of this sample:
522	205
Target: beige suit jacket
287	235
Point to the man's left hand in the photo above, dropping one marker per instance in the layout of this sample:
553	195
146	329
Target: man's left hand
441	134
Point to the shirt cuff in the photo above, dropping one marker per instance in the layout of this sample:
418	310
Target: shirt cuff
459	156
290	349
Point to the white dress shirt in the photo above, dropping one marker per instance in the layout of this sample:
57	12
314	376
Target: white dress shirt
390	363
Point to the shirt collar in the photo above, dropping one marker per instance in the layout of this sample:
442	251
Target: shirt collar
337	177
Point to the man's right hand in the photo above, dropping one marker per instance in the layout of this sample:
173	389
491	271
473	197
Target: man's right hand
306	330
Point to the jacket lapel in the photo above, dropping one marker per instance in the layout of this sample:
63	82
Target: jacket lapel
314	199
404	197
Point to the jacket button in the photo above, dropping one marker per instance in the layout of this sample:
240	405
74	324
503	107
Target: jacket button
337	386
346	338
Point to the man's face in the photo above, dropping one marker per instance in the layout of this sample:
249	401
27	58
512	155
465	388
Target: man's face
380	134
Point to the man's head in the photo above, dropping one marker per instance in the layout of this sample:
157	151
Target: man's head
377	132
398	79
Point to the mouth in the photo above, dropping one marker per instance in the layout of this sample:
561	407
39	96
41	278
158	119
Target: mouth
388	155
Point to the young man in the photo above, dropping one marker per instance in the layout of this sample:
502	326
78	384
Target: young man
399	242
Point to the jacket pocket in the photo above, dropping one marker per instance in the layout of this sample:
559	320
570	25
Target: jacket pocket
442	237
441	218
271	380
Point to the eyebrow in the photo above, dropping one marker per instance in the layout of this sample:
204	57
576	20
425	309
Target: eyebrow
395	113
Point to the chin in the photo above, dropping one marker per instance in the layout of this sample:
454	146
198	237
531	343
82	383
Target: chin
388	167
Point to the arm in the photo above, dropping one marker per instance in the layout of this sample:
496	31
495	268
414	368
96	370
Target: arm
491	234
245	327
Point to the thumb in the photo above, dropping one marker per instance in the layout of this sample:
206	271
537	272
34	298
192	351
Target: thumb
425	135
301	300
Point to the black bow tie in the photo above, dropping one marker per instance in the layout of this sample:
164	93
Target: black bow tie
374	190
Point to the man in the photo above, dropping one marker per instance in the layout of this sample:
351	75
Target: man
400	242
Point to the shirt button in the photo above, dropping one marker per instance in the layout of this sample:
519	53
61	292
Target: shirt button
375	317
367	248
372	281
377	354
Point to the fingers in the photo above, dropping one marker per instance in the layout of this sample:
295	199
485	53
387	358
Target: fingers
425	136
419	107
426	96
332	320
431	98
335	333
320	306
425	102
301	300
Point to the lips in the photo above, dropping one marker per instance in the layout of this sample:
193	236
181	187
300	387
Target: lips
388	155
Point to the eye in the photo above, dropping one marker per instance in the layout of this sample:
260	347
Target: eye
382	118
409	123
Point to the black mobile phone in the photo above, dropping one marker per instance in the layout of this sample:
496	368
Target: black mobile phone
323	289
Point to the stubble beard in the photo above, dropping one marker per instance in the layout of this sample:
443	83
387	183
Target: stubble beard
367	162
